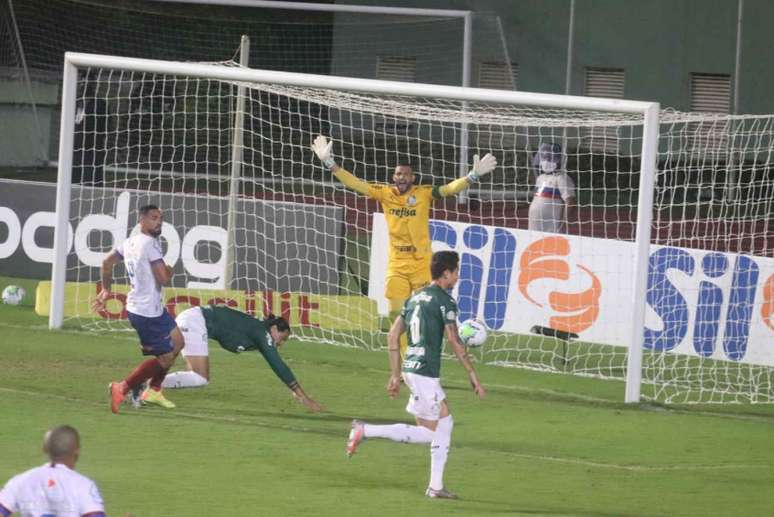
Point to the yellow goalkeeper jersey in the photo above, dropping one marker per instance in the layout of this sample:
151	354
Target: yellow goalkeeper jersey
408	215
408	219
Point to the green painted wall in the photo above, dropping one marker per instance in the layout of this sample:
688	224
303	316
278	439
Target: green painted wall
23	140
658	43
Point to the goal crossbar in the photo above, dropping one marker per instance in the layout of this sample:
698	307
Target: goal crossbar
214	71
332	8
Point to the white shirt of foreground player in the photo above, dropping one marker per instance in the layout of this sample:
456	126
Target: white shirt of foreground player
140	252
51	489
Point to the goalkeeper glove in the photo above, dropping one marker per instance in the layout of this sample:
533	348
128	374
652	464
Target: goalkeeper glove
482	167
322	148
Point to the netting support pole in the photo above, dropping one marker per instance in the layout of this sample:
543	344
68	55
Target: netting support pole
28	82
642	251
735	162
568	82
467	51
237	156
63	186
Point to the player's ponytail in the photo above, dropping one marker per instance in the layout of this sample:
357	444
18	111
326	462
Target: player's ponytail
276	321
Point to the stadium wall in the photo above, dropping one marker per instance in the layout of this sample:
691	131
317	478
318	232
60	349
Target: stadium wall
657	43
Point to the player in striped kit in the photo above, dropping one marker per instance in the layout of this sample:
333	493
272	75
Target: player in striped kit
158	333
554	190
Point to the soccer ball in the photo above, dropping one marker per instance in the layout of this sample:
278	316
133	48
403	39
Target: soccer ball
472	332
13	295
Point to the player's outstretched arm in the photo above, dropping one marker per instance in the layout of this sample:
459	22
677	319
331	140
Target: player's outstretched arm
481	167
393	347
284	373
305	399
323	148
462	355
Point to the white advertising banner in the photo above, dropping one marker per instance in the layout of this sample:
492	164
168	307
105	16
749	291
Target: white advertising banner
698	302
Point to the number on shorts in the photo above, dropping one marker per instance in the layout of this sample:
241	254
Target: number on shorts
414	326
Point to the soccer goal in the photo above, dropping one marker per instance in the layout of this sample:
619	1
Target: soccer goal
602	298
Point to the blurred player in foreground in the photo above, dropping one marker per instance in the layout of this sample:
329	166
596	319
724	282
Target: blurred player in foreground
427	316
407	210
553	190
158	333
236	332
54	488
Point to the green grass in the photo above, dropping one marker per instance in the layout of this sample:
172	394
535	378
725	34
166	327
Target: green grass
539	444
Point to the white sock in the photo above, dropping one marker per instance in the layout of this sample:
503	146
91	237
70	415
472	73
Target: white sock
184	379
439	451
403	433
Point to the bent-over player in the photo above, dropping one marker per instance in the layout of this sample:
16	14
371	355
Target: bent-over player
236	332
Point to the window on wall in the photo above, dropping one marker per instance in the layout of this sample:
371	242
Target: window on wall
605	82
711	93
394	68
609	83
498	75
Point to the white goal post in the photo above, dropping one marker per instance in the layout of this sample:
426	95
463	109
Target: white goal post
453	107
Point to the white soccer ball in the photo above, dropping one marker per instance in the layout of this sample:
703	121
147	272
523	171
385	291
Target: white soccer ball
13	295
472	332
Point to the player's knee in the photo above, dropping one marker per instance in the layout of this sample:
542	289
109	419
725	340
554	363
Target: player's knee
178	341
166	360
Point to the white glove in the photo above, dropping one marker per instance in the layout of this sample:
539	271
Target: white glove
482	167
322	148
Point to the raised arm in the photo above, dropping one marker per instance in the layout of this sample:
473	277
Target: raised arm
322	147
462	355
481	167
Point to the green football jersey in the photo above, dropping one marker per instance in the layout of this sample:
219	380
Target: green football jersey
426	315
238	332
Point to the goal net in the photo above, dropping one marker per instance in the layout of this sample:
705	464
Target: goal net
252	219
711	286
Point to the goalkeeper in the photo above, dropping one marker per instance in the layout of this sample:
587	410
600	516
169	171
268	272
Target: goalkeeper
407	210
236	332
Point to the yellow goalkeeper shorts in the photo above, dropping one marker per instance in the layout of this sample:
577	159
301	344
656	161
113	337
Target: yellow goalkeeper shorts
405	277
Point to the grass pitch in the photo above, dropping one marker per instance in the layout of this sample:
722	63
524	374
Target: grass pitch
539	444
